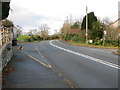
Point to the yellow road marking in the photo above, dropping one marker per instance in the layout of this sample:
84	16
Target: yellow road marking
49	66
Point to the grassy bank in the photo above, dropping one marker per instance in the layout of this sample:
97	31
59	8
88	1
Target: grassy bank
28	39
94	46
23	37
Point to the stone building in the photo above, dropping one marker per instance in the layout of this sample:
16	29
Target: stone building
5	40
6	33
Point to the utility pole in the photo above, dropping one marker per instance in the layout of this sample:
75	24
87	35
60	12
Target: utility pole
86	25
105	32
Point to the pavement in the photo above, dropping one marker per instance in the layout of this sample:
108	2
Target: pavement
32	74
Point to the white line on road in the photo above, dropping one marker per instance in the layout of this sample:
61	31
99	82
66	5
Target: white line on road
86	56
89	48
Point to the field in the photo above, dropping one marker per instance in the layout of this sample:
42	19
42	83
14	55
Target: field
23	37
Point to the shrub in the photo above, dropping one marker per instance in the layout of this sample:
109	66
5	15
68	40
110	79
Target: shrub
37	37
67	37
76	38
112	42
98	42
27	39
31	39
54	37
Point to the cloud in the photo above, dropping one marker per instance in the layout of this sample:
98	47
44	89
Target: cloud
30	14
30	20
24	17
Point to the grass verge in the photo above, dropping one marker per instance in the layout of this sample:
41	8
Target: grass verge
94	46
23	37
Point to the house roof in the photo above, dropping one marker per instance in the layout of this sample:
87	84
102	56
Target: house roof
114	22
6	23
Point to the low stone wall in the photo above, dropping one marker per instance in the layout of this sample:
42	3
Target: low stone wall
6	54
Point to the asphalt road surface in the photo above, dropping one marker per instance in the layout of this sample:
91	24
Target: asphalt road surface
83	67
27	73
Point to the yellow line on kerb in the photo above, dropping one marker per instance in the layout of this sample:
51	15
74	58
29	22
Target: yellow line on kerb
37	60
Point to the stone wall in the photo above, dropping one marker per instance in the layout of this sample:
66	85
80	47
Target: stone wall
6	53
5	56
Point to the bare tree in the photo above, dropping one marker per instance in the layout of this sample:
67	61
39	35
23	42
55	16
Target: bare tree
106	21
19	29
33	31
110	27
112	33
44	29
66	26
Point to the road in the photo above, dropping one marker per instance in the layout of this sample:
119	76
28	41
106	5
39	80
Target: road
83	67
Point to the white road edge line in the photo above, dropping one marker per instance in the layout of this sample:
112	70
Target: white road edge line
86	56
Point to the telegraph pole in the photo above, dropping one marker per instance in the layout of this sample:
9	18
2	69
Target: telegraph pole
86	25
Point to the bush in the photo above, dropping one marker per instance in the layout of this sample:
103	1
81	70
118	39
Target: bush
37	37
107	42
31	39
112	42
98	42
54	37
76	38
67	37
27	39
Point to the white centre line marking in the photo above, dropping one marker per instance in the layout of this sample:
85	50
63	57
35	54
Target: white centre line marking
86	56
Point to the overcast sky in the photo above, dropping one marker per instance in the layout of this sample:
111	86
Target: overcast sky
29	14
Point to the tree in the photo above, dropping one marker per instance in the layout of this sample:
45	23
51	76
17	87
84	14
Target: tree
91	18
112	33
70	27
97	30
67	25
44	31
43	27
106	21
33	31
75	25
19	29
